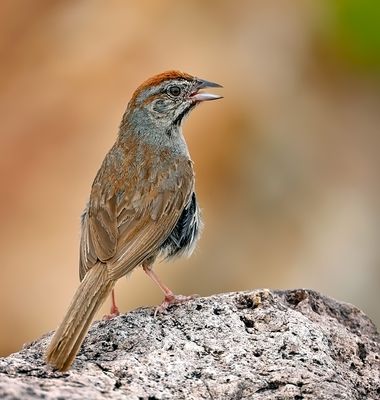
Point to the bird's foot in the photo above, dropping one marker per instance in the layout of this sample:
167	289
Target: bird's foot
114	313
171	299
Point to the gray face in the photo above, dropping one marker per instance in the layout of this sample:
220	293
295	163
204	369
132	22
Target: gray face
158	108
168	102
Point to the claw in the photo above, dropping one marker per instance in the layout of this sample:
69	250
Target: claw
171	299
111	315
114	309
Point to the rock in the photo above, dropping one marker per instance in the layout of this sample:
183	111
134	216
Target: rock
250	345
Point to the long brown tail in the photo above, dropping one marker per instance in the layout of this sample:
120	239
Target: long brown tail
65	344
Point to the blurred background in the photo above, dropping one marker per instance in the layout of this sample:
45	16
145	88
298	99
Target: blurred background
287	163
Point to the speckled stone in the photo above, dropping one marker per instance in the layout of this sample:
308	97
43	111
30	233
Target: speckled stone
262	344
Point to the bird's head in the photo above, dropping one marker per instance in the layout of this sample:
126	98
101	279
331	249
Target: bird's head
164	100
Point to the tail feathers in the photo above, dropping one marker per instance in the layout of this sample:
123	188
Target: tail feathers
90	295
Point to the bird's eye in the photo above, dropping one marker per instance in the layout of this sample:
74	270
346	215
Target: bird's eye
175	90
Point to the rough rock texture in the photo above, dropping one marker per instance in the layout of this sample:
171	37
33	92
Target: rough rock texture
250	345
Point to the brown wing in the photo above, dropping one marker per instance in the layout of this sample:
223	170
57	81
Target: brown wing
127	221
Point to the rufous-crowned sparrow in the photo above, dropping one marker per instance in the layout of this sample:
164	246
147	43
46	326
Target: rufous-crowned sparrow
142	204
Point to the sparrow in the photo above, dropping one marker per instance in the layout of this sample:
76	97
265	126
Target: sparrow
142	204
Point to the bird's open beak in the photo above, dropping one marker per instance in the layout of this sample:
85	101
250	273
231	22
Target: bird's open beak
199	96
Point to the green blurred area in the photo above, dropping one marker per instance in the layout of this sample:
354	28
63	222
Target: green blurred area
353	32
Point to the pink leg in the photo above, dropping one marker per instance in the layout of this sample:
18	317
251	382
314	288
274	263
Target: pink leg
170	297
114	310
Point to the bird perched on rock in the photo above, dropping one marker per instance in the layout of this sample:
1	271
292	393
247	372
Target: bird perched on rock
142	204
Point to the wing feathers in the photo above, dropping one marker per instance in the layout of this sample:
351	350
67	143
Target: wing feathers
128	223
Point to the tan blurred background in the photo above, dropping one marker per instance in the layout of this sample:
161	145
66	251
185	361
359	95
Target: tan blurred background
287	164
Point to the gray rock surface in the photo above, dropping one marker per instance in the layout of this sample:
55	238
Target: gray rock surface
251	345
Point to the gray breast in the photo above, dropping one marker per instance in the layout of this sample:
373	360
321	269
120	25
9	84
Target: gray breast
184	236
